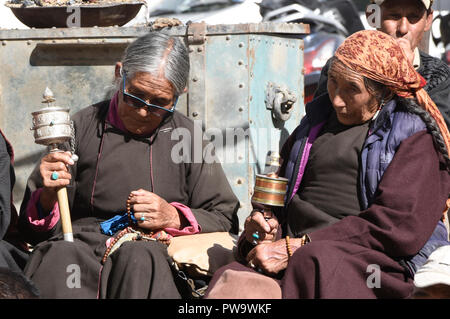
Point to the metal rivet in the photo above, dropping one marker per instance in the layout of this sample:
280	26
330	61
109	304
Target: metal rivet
241	109
194	79
240	62
227	37
241	85
194	114
239	181
199	49
241	44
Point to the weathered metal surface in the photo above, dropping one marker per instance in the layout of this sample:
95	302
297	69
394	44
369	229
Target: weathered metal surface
238	68
231	67
282	29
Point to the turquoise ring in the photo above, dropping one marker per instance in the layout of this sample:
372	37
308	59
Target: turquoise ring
255	235
54	176
142	218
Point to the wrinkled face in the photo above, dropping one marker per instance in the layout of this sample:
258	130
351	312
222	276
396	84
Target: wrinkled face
406	19
351	100
152	89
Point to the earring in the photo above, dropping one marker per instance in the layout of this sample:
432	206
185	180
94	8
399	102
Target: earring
381	104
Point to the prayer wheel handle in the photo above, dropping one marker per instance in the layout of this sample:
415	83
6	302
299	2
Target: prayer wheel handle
64	211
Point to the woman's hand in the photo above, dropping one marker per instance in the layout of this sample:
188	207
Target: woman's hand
55	175
153	212
266	228
271	258
406	47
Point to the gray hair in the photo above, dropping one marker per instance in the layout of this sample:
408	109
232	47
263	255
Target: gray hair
157	50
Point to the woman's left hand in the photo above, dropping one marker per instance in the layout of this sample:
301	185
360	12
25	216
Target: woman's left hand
153	212
271	258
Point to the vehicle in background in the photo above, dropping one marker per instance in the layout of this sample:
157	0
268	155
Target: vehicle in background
209	11
319	47
330	23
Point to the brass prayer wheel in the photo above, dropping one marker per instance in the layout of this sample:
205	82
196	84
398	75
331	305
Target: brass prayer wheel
269	190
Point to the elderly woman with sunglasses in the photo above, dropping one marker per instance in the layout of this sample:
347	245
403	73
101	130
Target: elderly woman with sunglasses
127	175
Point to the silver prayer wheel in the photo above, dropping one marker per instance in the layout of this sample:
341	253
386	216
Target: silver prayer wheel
51	125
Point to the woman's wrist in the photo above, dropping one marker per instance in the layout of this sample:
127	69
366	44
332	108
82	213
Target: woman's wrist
47	200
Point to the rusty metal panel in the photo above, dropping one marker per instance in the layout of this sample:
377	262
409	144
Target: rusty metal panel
227	109
231	68
238	69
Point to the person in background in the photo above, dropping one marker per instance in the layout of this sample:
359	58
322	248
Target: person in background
13	252
407	21
432	280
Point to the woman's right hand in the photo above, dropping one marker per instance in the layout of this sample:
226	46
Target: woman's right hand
266	228
58	163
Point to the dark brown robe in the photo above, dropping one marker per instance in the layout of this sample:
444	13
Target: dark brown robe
112	164
13	255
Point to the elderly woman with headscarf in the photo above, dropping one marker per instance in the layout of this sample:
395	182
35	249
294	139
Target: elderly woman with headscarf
368	172
125	180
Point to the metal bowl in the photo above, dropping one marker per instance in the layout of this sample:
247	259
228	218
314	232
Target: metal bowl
104	15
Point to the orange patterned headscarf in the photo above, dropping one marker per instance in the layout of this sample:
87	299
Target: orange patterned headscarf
377	56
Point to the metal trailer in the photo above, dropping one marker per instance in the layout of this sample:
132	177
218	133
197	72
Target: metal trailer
245	87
